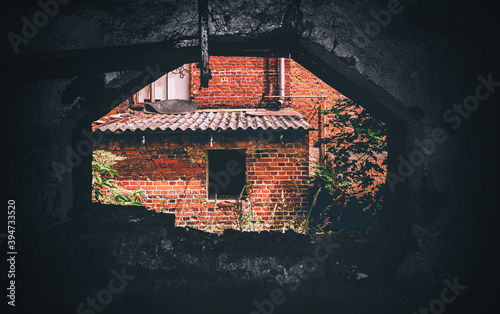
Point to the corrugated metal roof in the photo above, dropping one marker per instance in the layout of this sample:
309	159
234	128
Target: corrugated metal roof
205	120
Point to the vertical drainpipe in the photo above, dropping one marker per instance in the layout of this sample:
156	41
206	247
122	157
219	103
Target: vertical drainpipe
282	80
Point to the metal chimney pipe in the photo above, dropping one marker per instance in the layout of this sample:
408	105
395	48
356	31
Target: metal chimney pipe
282	80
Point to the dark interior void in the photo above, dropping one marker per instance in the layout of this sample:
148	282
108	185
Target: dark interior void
437	229
226	173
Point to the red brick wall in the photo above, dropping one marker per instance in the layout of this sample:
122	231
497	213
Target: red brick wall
237	81
173	168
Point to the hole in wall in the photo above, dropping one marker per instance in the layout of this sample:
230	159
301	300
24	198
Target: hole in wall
311	156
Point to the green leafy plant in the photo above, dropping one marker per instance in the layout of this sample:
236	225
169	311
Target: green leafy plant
104	188
134	198
355	158
99	180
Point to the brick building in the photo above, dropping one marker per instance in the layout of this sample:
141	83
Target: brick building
195	164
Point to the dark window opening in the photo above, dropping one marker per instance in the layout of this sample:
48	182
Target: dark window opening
226	173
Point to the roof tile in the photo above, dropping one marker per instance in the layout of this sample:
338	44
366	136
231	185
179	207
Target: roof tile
203	120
